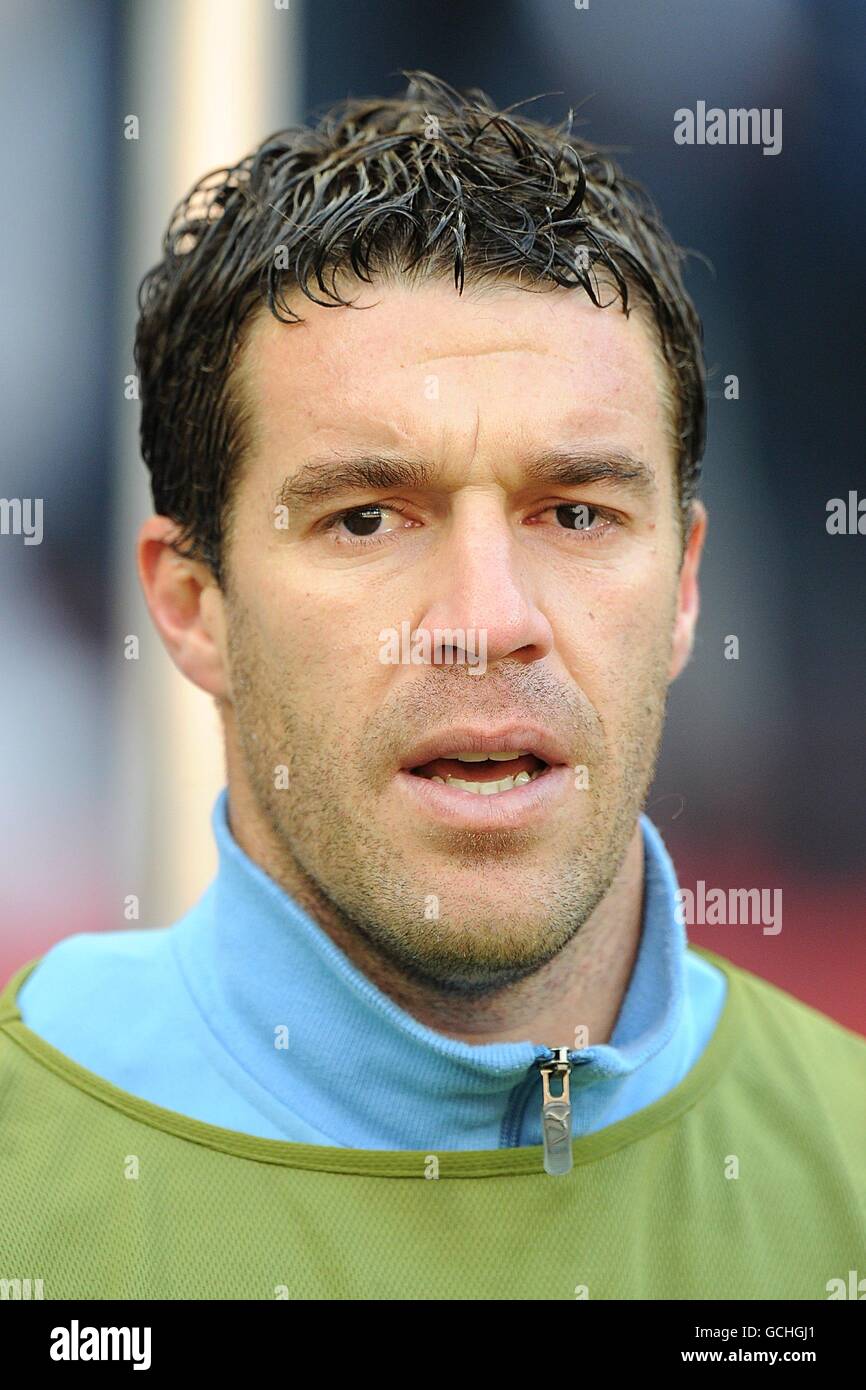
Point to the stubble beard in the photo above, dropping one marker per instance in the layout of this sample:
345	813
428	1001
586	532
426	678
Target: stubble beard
329	855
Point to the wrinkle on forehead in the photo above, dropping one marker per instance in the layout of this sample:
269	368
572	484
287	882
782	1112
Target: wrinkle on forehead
345	369
492	352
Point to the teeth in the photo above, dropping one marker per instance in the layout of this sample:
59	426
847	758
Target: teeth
493	757
505	784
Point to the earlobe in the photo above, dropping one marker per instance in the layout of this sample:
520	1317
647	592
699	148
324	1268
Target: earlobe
185	604
688	598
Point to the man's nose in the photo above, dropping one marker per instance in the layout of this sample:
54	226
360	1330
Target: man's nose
481	583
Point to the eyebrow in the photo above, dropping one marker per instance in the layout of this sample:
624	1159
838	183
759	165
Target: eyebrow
332	475
577	468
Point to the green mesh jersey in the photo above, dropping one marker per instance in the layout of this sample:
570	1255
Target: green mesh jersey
747	1180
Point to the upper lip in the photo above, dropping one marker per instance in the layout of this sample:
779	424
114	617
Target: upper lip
516	738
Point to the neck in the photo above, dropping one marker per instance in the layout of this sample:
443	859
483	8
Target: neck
581	988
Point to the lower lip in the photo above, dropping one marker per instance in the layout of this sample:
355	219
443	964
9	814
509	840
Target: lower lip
524	805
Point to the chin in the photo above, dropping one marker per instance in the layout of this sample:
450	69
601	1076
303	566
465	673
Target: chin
476	953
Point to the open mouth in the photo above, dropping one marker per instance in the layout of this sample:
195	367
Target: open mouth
484	774
471	777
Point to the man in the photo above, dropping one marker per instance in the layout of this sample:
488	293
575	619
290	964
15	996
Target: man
423	405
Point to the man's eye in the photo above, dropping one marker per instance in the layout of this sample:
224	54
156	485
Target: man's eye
591	523
364	524
579	516
575	515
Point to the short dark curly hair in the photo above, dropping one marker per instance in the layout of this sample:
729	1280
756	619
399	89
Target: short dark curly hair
433	182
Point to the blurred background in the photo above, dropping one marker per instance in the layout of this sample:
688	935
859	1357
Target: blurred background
111	764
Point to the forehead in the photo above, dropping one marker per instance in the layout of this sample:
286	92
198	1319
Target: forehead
426	368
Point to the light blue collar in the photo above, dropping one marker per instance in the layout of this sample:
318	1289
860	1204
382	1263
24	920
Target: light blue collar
332	1049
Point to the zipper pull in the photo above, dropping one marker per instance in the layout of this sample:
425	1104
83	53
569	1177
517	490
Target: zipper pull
556	1114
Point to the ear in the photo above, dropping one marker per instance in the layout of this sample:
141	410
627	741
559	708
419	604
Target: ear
688	601
186	605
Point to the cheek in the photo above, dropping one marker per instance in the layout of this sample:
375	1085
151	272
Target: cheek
321	651
616	644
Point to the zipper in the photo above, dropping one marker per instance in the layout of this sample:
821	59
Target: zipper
520	1097
554	1065
556	1111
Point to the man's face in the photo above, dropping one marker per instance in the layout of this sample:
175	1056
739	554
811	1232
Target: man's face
483	394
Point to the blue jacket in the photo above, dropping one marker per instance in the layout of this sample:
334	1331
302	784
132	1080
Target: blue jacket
245	1014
